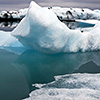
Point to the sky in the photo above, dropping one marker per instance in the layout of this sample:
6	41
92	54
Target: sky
18	4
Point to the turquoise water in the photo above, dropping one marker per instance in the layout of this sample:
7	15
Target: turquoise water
78	24
13	84
19	72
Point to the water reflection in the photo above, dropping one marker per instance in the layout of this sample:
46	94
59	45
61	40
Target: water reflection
8	26
13	84
41	68
77	24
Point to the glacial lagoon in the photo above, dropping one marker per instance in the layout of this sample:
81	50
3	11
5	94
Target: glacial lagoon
34	75
19	72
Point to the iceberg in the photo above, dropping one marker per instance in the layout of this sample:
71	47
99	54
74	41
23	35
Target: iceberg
41	30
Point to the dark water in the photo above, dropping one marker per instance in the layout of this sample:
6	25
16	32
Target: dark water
8	26
19	72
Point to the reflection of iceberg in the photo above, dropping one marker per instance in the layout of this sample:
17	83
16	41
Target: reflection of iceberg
41	68
8	26
13	15
34	67
42	31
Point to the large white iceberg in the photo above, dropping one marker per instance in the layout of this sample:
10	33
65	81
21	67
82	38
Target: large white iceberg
41	30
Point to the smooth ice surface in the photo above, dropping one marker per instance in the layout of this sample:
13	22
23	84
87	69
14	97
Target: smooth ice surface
41	30
69	87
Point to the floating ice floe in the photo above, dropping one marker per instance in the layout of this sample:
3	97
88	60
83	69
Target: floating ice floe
69	87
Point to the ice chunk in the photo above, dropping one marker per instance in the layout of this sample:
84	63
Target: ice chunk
6	40
42	31
9	43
